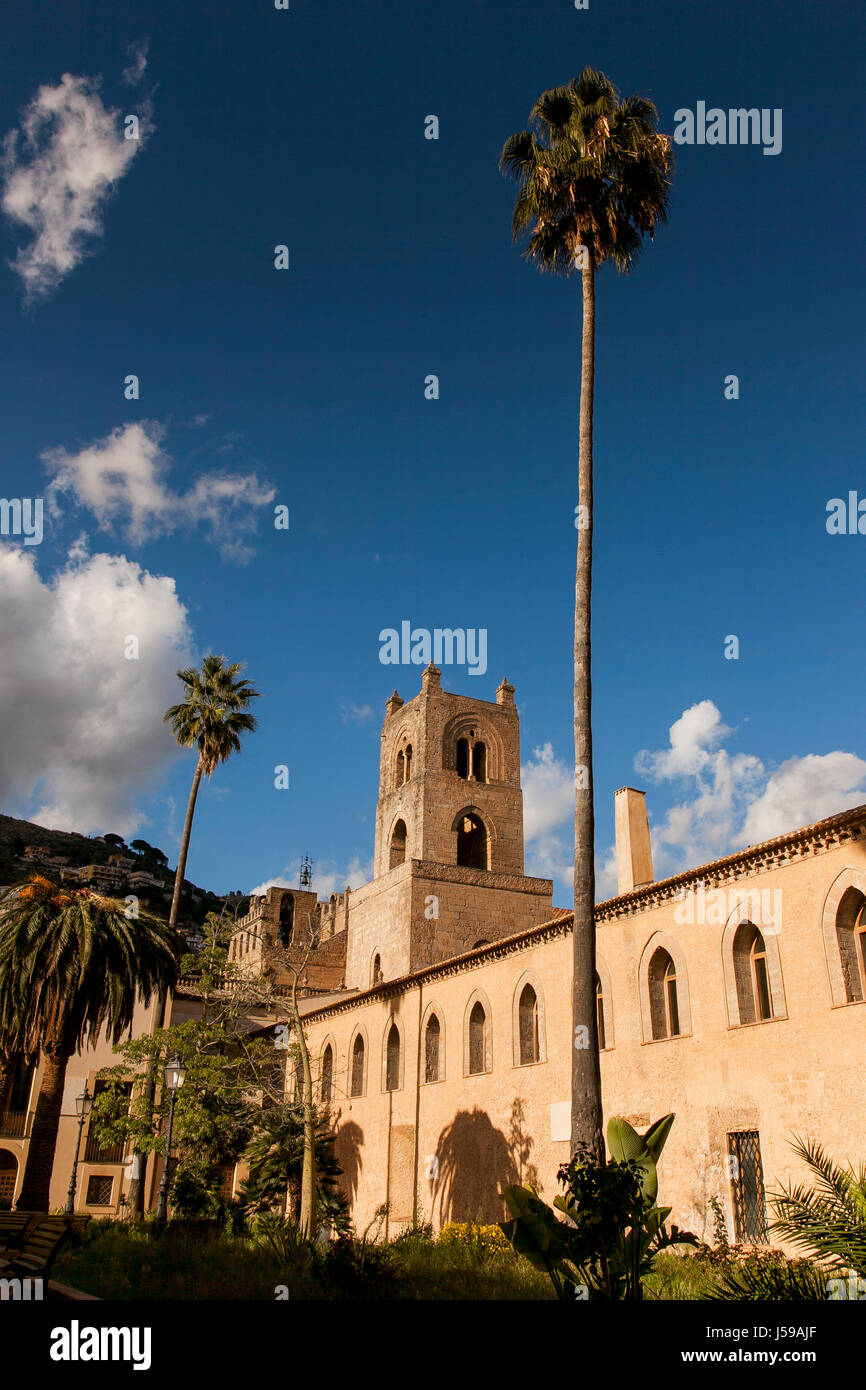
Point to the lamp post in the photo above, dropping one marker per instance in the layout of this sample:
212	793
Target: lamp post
82	1109
175	1075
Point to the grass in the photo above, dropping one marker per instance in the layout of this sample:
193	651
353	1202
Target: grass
120	1260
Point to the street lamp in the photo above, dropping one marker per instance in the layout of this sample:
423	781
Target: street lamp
82	1109
175	1075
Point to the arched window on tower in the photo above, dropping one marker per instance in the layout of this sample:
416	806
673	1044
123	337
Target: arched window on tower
401	770
754	999
392	1059
356	1087
479	762
408	761
471	841
851	937
477	1039
664	1005
327	1074
398	845
287	919
376	975
462	758
528	1021
432	1042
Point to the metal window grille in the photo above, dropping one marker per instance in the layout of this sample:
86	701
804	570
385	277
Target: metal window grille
747	1187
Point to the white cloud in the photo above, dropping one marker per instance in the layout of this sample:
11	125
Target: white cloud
803	790
59	169
357	714
121	479
83	738
137	54
548	792
327	878
734	801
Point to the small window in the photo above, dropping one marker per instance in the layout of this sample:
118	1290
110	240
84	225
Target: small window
408	761
357	1086
851	938
432	1042
401	769
398	845
392	1060
747	1187
479	762
754	996
99	1188
664	1001
327	1074
471	842
477	1039
287	919
462	758
528	1021
376	975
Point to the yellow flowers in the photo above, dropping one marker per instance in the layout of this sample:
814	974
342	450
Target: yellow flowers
485	1240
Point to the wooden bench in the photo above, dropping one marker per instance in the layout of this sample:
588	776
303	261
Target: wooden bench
13	1225
38	1237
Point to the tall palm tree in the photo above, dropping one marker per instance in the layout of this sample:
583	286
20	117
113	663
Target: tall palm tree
211	718
72	965
594	176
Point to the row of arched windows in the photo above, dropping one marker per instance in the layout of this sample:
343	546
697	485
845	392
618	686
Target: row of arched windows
529	1045
753	985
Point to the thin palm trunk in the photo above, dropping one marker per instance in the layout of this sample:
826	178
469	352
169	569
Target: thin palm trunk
309	1214
36	1187
586	1114
137	1185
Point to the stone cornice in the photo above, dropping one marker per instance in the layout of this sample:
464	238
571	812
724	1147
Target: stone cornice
769	854
480	878
797	844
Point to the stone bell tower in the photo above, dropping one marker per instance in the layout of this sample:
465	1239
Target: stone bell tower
449	781
448	860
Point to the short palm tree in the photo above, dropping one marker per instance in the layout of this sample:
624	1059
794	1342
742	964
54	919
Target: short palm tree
594	176
828	1220
72	966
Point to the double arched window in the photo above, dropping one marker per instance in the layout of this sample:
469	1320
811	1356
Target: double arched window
754	998
851	941
664	991
664	999
470	758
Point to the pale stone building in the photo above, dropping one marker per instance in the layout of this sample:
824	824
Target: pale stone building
438	1000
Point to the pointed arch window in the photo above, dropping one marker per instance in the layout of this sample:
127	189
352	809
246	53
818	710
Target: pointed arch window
754	993
392	1059
471	841
376	976
478	1039
432	1049
664	997
479	762
528	1026
851	939
327	1074
358	1060
401	769
287	919
462	758
398	845
408	761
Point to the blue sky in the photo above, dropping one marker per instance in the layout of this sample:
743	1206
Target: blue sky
305	387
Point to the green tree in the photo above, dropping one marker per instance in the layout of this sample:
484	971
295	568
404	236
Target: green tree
594	176
275	1155
72	965
211	719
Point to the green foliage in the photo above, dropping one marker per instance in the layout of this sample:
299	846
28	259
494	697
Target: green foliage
762	1275
829	1218
594	173
213	714
275	1154
612	1231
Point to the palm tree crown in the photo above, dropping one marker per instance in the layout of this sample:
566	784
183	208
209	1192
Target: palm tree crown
73	964
214	713
598	177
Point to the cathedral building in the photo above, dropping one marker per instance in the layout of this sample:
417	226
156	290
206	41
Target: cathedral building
438	1005
733	994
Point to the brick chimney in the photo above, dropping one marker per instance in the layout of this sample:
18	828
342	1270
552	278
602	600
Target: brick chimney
634	858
